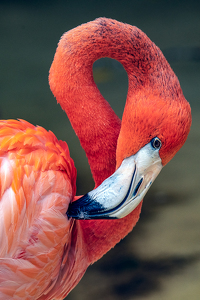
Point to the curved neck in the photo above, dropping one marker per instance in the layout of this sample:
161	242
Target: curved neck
71	81
95	123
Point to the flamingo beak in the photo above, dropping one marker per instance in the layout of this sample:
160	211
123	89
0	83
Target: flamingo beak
121	193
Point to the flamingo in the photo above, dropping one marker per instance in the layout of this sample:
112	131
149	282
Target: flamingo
48	235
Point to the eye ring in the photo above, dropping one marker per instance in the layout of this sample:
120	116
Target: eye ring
156	143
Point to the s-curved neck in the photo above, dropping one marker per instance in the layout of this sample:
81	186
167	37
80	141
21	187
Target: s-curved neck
95	123
71	81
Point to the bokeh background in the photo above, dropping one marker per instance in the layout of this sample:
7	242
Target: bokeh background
160	259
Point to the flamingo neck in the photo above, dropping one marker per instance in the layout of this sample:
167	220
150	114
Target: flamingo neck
102	235
71	81
95	123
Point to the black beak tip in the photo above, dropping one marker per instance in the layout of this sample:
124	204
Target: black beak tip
84	208
76	213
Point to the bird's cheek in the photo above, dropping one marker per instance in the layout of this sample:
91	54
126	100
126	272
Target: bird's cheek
166	155
128	144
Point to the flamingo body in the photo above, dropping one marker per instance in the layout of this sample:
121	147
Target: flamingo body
44	253
37	184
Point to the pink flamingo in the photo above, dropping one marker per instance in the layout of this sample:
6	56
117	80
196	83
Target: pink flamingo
45	246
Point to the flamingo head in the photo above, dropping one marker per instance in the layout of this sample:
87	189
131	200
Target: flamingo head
150	116
153	129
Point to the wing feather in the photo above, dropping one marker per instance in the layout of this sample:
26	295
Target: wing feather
37	183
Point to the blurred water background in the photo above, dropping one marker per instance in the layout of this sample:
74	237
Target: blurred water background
160	259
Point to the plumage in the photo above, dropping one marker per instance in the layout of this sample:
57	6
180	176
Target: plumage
37	184
43	252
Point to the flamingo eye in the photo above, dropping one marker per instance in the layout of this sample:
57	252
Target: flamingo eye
156	143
